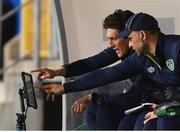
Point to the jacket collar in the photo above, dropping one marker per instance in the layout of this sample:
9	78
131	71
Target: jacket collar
159	52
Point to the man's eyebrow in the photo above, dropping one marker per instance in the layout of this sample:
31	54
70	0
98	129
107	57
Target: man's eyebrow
112	37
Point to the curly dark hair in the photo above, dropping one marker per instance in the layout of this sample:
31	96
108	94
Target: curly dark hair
117	20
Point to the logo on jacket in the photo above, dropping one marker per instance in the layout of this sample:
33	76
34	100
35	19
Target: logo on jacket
170	64
151	69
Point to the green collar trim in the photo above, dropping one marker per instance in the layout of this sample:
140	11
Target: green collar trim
153	60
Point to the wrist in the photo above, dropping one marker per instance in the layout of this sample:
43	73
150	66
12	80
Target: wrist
60	72
61	90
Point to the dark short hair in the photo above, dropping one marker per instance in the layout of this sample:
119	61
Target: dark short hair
117	20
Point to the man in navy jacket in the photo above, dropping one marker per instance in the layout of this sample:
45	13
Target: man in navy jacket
159	58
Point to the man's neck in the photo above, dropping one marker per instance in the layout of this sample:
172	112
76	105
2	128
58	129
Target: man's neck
152	42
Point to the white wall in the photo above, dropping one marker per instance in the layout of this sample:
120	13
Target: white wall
83	20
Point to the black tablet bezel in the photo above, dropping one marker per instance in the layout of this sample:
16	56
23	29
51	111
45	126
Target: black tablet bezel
25	89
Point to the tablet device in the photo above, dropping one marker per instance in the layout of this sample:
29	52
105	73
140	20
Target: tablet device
28	89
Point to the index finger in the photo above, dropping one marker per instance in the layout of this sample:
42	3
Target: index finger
72	108
36	70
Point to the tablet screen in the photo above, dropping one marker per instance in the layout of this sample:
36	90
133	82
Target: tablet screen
29	90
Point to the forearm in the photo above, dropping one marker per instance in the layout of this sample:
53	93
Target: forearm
89	81
95	79
102	77
104	58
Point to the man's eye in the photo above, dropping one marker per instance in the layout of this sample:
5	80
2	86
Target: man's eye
112	38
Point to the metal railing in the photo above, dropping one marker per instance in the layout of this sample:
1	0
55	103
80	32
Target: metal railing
6	16
15	10
64	59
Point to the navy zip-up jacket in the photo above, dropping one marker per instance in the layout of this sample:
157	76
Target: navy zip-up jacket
164	70
105	58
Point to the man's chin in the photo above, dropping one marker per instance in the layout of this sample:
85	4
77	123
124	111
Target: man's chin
138	53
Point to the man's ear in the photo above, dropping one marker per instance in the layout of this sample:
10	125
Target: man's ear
143	34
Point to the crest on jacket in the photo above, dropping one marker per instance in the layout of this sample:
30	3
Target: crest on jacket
170	64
